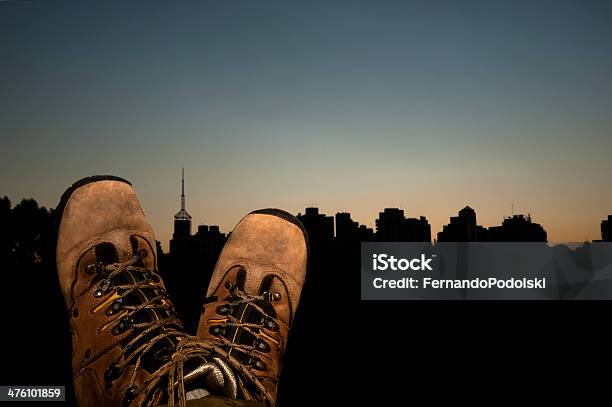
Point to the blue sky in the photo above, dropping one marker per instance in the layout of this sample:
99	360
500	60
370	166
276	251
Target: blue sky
348	105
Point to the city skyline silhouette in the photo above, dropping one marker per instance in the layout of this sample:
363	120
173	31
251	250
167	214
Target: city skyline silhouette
392	224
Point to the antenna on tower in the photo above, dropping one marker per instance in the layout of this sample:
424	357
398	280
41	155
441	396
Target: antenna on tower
183	189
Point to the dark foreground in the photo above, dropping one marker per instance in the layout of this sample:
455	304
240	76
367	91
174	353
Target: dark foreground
341	350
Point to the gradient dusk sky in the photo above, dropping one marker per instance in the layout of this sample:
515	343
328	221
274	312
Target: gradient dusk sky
352	106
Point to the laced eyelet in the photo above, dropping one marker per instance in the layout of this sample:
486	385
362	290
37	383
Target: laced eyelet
113	372
262	346
130	393
116	306
216	330
103	288
258	364
271	324
94	268
223	310
271	296
123	325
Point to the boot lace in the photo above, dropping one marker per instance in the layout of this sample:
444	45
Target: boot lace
239	354
143	305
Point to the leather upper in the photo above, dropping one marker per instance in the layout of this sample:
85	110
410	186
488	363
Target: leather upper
99	213
264	254
265	244
102	211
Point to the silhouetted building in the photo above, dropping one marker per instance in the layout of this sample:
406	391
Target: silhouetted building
319	226
393	226
349	230
463	228
210	240
158	247
389	225
518	228
417	230
365	233
606	225
188	266
207	241
182	220
346	228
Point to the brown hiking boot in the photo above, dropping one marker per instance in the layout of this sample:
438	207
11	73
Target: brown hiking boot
128	344
252	298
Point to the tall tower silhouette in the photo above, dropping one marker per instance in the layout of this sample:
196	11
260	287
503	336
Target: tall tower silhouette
182	220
